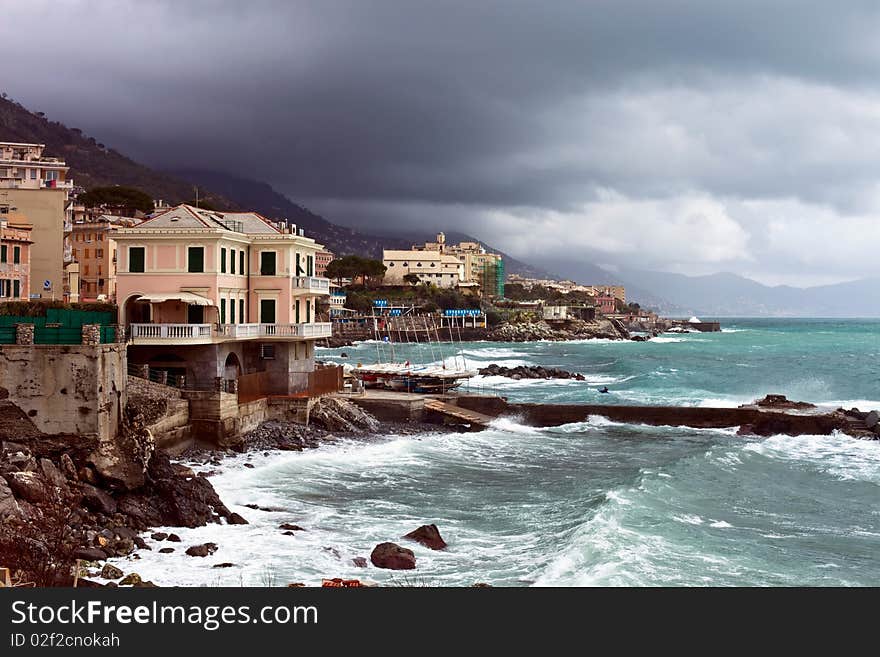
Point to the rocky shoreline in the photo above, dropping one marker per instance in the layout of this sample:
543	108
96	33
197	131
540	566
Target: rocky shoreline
58	509
529	372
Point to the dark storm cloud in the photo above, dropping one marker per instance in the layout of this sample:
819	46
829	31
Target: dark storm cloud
479	115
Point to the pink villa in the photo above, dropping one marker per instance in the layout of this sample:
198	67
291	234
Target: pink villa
211	296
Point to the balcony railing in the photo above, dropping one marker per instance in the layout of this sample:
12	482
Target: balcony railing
170	331
221	332
311	285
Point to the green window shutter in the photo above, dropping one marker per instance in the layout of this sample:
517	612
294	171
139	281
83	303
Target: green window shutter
232	311
3	253
267	263
222	311
241	263
296	311
241	310
196	259
16	255
308	312
231	261
222	261
16	288
136	259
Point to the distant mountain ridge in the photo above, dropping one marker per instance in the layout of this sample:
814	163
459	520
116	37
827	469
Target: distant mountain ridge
733	295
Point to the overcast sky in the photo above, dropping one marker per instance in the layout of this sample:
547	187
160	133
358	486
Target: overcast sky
687	136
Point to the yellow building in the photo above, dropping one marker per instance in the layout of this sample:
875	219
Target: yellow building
39	188
430	266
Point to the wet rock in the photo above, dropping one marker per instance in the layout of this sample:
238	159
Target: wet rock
781	401
159	536
145	585
132	579
288	533
872	419
109	571
289	527
225	564
335	414
53	475
166	550
68	467
249	465
429	536
87	475
528	372
235	519
393	557
360	562
9	506
97	500
29	486
141	543
174	538
91	554
202	550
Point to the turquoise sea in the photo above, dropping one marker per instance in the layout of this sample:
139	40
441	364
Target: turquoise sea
593	503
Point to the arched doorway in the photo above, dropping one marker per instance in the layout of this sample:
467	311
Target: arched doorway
232	368
135	311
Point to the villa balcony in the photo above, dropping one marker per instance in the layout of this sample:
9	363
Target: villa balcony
156	334
310	285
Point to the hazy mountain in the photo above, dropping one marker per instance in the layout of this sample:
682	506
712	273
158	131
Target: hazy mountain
92	163
730	294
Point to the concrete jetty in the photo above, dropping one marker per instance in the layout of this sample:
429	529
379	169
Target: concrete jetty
772	415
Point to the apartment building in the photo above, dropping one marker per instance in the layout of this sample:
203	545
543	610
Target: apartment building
38	187
432	267
323	258
94	249
480	269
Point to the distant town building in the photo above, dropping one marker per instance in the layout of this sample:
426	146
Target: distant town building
568	286
94	249
607	304
15	244
38	187
478	269
567	313
430	266
322	259
212	296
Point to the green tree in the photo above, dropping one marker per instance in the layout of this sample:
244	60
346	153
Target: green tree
356	267
129	197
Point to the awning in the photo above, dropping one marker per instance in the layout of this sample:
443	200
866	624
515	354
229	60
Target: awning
186	297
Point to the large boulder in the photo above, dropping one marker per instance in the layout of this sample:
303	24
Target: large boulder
9	507
429	536
122	460
97	500
872	419
202	550
393	557
29	486
53	475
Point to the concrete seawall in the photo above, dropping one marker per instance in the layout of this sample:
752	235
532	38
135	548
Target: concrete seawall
752	418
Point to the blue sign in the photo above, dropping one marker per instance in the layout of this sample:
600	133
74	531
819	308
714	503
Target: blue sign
394	312
381	303
462	312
